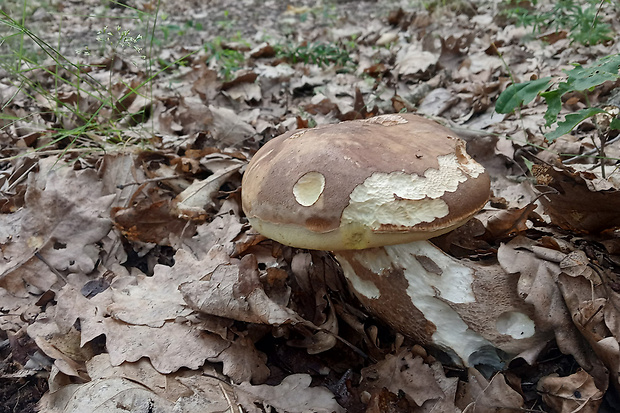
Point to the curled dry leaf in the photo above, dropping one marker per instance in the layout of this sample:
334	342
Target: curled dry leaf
235	291
574	393
65	349
575	203
576	264
194	202
594	315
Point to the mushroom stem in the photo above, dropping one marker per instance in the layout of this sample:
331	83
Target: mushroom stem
464	309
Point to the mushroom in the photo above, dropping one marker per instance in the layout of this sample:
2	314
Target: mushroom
373	192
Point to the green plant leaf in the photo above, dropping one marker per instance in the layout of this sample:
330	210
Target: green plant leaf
603	70
519	94
553	98
570	121
615	123
528	164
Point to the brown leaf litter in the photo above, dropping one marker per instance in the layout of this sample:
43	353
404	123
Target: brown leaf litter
131	279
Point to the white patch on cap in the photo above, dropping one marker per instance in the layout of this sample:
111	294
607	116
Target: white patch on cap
309	188
386	120
515	324
402	199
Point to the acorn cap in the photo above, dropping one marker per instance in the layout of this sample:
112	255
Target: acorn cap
386	180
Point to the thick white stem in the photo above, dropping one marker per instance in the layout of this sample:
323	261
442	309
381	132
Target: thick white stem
429	296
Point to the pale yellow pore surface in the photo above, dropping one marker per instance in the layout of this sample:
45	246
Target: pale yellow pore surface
346	237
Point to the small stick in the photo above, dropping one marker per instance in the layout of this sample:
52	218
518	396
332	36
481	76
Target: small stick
52	269
146	181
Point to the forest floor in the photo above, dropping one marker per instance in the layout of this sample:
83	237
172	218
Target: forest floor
130	279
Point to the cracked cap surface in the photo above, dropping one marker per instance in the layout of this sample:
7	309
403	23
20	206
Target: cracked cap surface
386	180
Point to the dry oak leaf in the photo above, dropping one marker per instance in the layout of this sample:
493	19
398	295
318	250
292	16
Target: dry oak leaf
142	371
573	203
292	395
403	372
235	291
571	394
484	396
243	362
137	387
66	214
108	395
170	345
188	389
152	301
537	284
220	232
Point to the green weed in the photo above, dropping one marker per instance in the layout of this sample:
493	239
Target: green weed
226	23
581	79
581	18
322	54
228	61
169	30
76	108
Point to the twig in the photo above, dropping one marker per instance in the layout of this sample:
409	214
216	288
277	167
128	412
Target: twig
314	327
52	269
588	153
146	181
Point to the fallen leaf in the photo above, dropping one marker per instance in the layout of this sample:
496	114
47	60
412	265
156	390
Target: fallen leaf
194	202
306	399
109	395
484	396
574	393
406	373
228	128
571	201
235	291
412	62
66	215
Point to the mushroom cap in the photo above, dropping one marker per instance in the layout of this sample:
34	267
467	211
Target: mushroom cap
385	180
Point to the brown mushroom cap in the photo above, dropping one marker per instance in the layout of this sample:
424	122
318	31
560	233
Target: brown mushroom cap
386	180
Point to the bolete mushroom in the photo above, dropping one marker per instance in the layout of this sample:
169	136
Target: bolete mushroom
373	191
